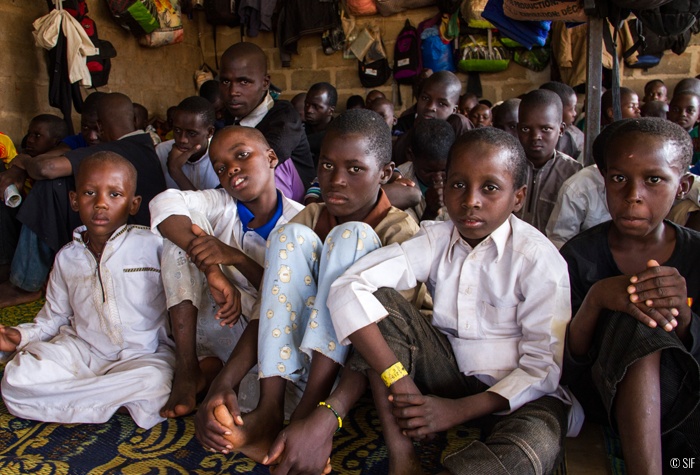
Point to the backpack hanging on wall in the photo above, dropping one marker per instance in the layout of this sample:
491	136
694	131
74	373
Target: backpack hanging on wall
374	69
407	58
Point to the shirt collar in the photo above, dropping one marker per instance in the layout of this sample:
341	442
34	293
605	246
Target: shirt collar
499	237
326	221
135	132
246	217
256	115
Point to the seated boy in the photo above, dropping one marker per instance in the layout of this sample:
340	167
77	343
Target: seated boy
232	224
467	102
355	102
185	159
211	91
480	115
581	202
655	90
632	347
684	110
88	135
141	123
319	106
571	141
296	340
437	99
372	95
654	109
629	105
505	116
539	128
494	347
430	144
45	133
385	108
100	342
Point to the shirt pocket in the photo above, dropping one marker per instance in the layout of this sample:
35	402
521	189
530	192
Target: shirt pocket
142	284
500	321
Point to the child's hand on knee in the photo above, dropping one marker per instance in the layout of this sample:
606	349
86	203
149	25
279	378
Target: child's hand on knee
419	416
225	294
614	294
9	338
662	287
206	250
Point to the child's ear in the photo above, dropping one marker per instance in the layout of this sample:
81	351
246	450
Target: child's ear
395	121
685	185
210	132
272	157
520	195
266	83
73	196
135	205
385	173
331	110
562	128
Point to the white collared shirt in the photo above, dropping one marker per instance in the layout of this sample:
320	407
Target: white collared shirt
116	305
201	173
256	115
581	204
504	305
220	209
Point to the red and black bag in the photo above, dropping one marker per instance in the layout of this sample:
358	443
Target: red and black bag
407	58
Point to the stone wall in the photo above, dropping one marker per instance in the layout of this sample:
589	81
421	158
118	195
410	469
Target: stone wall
156	78
161	77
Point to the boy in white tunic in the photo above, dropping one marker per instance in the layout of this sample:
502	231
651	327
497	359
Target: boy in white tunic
100	342
213	255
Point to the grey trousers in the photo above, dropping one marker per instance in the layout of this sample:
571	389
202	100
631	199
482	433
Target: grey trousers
529	441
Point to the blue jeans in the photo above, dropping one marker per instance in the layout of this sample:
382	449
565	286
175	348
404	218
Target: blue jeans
32	262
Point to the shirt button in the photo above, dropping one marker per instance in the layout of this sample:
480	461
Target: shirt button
472	256
469	290
466	326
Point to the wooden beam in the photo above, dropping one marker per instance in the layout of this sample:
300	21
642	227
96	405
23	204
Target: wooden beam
594	79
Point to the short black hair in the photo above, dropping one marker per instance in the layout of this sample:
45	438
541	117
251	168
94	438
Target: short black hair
562	90
329	89
369	125
512	104
687	84
685	93
601	142
606	102
541	97
493	136
354	101
670	132
108	157
486	102
432	139
199	106
652	82
450	81
210	91
58	129
468	95
90	104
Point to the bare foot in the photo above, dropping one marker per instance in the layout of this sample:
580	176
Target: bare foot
183	395
259	430
11	295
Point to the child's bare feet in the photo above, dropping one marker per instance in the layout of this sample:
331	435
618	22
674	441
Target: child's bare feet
11	295
183	396
259	430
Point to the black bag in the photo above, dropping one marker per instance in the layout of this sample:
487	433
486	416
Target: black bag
407	58
449	6
374	74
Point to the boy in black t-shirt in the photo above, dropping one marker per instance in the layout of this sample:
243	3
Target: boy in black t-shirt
633	345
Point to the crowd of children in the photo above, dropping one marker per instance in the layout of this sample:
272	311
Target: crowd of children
467	262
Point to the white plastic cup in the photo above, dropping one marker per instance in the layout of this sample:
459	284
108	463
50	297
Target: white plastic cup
12	197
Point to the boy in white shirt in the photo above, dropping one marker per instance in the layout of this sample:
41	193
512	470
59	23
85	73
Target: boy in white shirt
213	257
495	346
581	203
100	342
185	159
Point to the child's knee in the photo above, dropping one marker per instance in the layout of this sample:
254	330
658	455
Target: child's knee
360	233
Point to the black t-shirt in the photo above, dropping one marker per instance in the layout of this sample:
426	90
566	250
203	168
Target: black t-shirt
590	259
47	212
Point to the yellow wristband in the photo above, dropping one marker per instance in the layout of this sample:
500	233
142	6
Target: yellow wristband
393	374
340	421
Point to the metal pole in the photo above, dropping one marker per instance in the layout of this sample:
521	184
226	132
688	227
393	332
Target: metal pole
594	79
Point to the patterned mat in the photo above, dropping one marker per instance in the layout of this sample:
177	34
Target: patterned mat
613	447
120	447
